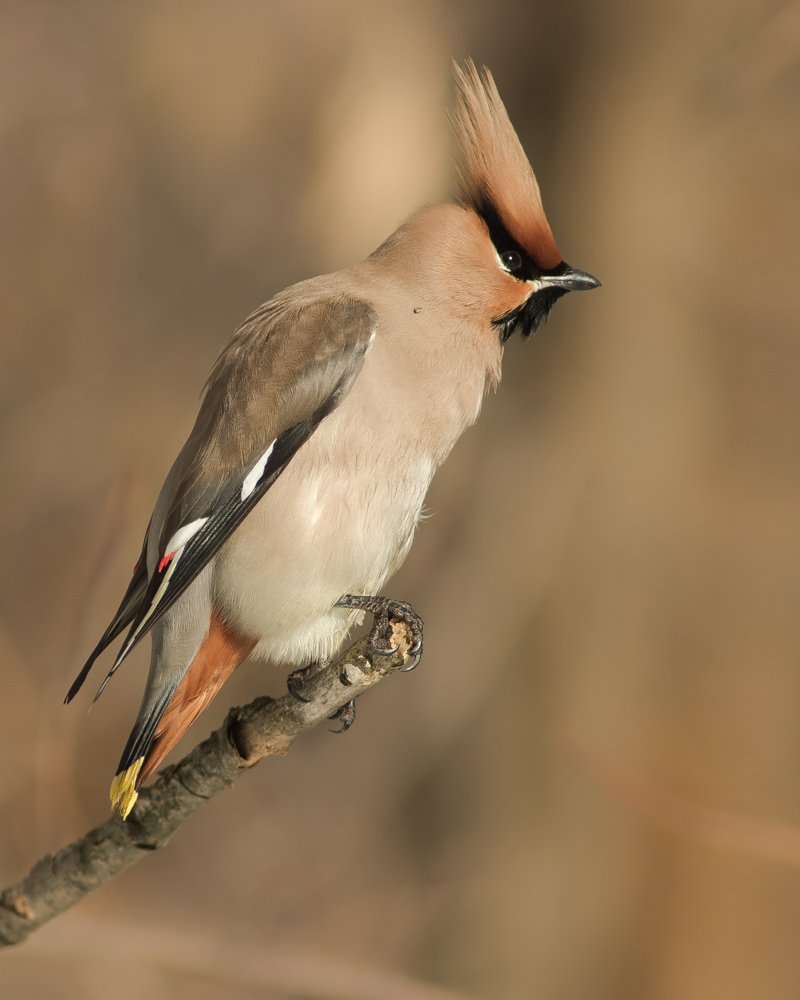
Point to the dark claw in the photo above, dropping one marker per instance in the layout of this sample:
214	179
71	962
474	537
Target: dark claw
380	636
296	681
294	685
413	663
385	611
346	715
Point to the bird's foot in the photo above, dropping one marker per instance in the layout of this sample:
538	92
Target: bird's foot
346	716
386	613
298	679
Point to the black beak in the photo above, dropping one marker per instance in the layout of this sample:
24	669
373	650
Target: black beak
548	287
568	278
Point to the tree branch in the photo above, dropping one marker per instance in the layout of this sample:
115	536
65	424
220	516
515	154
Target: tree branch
263	728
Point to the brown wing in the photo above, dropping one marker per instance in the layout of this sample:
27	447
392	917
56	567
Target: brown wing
280	375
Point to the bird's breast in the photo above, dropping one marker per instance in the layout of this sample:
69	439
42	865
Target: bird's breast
339	520
341	517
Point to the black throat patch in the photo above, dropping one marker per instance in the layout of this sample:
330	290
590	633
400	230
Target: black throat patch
529	316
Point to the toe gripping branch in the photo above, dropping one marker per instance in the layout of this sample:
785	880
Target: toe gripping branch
386	613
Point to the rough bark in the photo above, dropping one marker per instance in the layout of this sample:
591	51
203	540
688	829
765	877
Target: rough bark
263	728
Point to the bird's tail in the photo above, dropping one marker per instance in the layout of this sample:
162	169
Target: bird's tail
170	707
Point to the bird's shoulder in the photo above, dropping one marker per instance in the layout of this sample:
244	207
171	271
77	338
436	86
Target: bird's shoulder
303	325
293	356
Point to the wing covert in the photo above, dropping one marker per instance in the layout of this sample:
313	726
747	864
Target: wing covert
284	371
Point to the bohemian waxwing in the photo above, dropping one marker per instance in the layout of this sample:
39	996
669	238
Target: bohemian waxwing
323	421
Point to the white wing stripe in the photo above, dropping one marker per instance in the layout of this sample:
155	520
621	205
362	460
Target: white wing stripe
253	476
153	605
183	535
174	546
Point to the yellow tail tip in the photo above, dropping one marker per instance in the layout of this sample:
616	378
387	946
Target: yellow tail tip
123	792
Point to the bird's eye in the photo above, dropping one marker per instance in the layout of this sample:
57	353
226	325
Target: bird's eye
511	260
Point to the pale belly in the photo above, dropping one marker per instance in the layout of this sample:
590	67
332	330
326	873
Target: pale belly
319	533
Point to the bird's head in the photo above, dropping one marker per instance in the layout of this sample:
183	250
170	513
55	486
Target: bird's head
523	270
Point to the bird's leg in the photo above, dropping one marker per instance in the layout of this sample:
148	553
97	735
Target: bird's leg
297	679
346	716
384	611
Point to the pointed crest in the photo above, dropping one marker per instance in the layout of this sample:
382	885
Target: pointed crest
495	174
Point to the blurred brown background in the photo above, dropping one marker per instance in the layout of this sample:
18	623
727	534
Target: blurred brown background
591	788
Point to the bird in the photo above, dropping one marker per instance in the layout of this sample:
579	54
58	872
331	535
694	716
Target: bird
298	491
